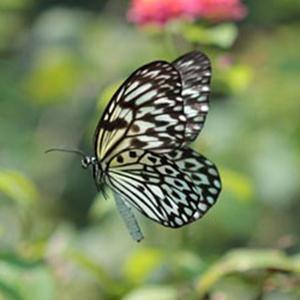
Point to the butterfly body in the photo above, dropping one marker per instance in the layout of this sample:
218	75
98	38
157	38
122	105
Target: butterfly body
142	142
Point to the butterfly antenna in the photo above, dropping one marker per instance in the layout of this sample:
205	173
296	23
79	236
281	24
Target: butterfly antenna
76	151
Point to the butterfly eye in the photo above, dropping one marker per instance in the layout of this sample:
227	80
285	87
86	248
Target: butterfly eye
85	162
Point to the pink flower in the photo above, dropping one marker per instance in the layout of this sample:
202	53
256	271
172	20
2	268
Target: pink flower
159	12
191	8
154	11
218	10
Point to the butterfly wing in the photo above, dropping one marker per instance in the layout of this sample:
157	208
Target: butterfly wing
146	112
162	186
203	173
160	108
195	71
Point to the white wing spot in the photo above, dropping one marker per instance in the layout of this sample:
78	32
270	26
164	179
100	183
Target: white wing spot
132	86
212	171
184	218
202	206
197	215
182	118
204	107
210	200
217	183
138	91
178	221
146	97
194	196
188	211
213	190
205	88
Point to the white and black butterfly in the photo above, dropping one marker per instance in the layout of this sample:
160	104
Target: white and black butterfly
142	143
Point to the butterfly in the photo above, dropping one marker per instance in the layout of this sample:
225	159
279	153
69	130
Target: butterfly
142	144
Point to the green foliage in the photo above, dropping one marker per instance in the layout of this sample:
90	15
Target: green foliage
262	263
18	187
238	185
140	264
23	279
152	292
14	4
223	35
53	77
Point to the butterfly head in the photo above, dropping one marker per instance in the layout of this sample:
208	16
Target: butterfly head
86	161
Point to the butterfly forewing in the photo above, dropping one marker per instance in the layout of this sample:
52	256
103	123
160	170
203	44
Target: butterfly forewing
146	112
195	71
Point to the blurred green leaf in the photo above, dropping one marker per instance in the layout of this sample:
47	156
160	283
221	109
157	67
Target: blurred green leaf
222	35
100	208
17	187
141	263
234	287
242	261
238	184
239	77
18	261
151	293
272	12
97	271
10	292
232	78
54	76
10	25
29	284
14	4
187	262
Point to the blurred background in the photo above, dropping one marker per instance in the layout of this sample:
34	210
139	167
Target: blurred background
60	62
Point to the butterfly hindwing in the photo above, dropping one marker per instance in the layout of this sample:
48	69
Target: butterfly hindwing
154	185
162	188
202	172
146	112
195	71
